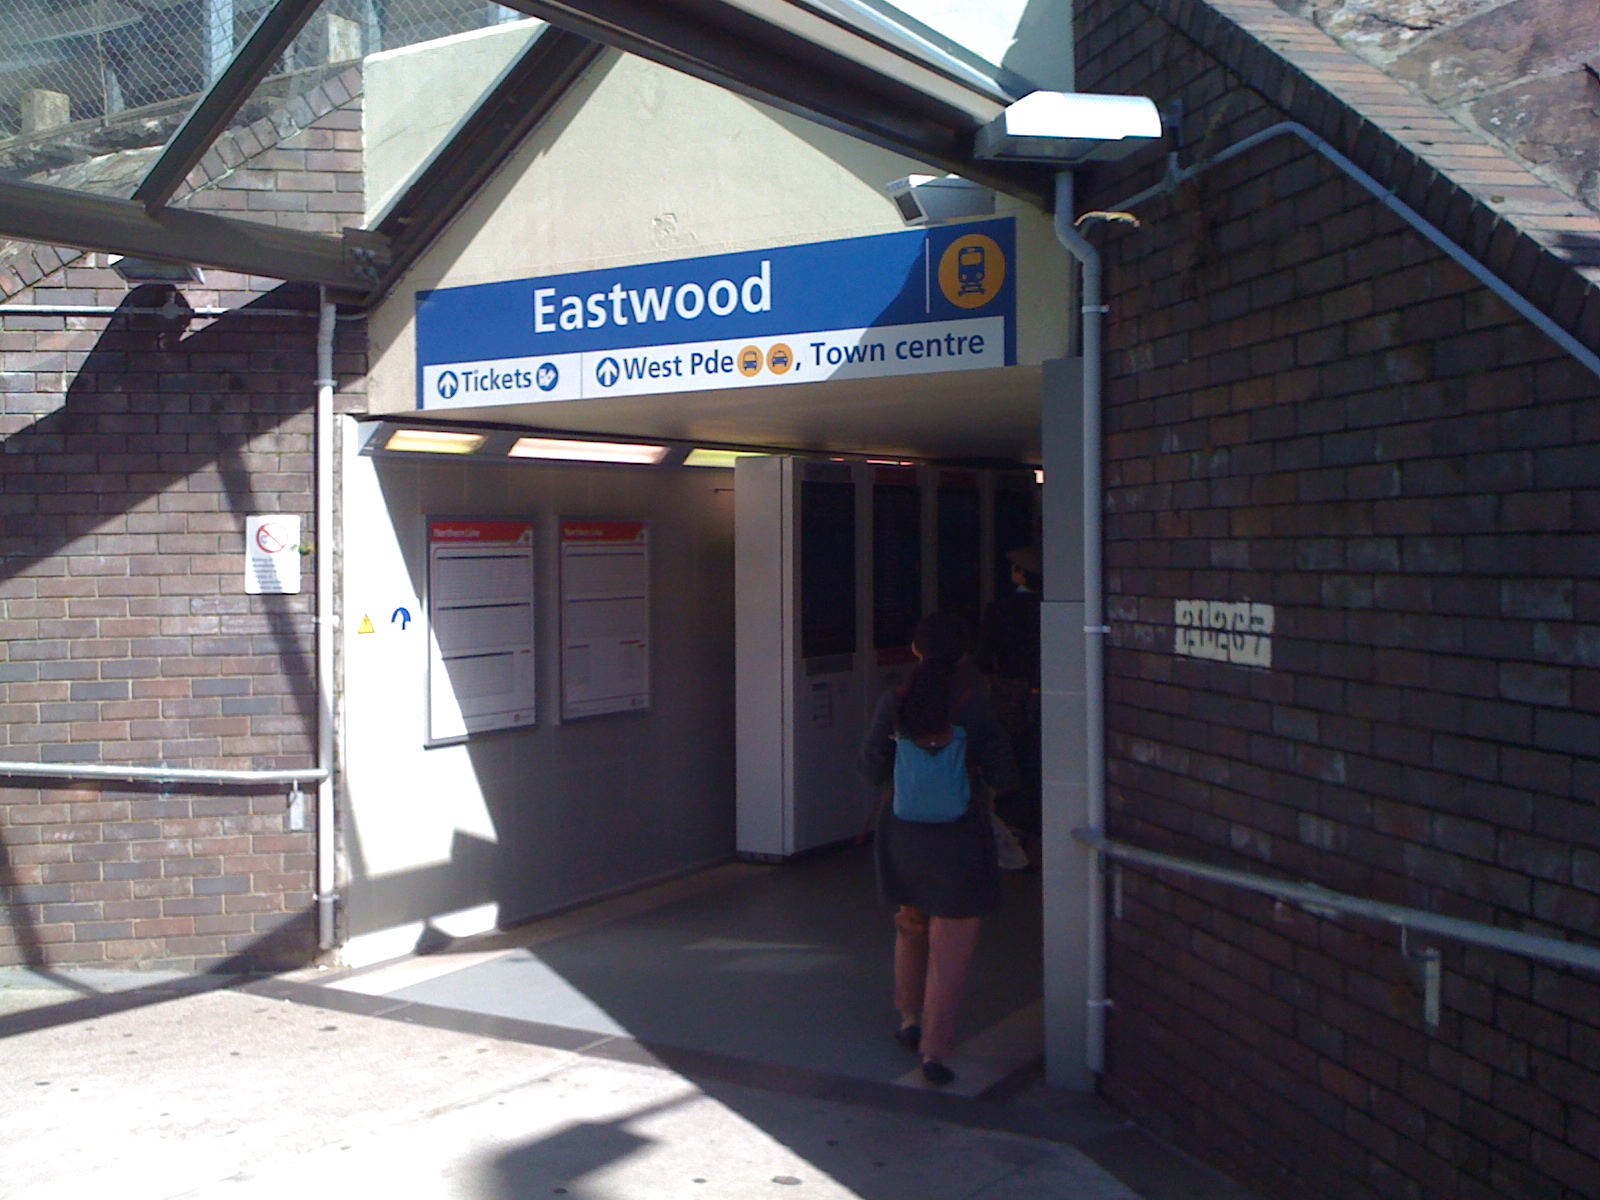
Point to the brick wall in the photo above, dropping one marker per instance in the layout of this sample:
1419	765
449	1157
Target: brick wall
297	167
134	448
1308	406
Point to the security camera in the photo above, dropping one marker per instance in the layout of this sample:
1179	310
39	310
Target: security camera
929	199
1070	127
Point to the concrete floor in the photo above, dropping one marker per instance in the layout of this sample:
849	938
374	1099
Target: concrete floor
605	1054
168	1092
784	965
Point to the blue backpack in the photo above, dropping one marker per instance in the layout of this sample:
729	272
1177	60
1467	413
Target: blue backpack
931	783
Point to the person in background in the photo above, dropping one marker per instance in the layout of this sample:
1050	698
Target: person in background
1008	652
935	853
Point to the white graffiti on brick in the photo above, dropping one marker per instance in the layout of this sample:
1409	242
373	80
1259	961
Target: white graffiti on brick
1225	631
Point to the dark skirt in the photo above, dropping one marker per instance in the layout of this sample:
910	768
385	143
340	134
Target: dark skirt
948	870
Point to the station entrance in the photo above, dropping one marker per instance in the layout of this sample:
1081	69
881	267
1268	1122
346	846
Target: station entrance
813	565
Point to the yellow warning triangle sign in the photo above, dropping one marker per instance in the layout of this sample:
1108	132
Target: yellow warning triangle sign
366	625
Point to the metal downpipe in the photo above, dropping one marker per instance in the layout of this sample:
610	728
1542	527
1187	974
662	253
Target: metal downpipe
1094	627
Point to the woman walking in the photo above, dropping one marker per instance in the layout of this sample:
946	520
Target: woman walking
937	739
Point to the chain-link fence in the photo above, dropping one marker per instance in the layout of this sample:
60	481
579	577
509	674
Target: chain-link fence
139	64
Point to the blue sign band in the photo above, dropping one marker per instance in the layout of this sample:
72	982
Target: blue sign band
947	274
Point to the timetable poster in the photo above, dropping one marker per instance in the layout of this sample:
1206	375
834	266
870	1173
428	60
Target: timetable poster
605	617
480	627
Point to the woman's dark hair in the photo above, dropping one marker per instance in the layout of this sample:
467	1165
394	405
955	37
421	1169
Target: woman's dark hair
924	709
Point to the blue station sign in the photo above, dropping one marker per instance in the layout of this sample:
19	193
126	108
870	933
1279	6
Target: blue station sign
910	303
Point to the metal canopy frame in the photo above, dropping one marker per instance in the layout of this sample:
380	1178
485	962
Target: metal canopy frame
209	118
61	217
513	109
808	61
840	63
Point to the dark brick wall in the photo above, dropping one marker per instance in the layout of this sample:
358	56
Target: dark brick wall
1308	406
134	448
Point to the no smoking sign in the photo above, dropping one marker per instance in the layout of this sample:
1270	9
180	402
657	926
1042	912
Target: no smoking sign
272	554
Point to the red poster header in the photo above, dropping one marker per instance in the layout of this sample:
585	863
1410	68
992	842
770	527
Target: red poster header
603	531
506	533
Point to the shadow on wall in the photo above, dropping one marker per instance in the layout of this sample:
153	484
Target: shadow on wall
159	424
149	408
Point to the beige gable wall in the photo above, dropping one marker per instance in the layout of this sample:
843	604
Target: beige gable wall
643	164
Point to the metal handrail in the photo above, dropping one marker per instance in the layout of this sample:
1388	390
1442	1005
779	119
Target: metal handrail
1463	258
11	768
1311	896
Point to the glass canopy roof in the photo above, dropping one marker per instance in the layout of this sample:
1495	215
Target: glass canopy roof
207	105
90	91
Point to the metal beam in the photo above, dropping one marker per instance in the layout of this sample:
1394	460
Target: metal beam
59	217
521	100
844	81
209	118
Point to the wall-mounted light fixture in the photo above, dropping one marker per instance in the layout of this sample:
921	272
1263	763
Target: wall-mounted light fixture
702	456
145	270
412	440
1070	127
574	450
434	441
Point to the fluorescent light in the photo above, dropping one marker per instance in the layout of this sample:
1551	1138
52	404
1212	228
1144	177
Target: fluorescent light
575	451
435	441
1038	476
702	457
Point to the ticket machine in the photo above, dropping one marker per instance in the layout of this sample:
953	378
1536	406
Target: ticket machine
835	562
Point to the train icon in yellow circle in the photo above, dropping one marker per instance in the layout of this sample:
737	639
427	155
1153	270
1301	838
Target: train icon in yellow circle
750	361
972	270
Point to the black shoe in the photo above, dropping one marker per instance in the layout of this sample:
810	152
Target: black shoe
909	1036
937	1073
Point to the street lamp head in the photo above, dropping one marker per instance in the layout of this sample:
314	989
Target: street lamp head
1070	127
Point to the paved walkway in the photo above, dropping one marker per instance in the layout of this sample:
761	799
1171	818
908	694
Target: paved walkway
147	1088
